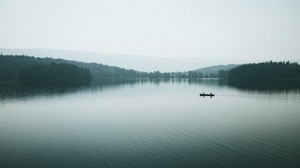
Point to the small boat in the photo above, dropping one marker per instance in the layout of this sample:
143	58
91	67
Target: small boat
205	94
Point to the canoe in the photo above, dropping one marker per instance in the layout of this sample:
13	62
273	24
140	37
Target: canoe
205	94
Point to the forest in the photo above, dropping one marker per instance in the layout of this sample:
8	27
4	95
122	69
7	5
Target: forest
260	73
11	66
50	74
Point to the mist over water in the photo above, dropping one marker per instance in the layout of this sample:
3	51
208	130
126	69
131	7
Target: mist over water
149	123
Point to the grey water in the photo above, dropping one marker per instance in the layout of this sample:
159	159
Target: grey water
160	123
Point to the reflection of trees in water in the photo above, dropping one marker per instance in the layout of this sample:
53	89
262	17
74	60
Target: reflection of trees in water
203	81
268	85
13	90
196	81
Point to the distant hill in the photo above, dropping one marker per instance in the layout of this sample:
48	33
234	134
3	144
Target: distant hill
264	71
214	70
136	62
265	74
54	74
11	66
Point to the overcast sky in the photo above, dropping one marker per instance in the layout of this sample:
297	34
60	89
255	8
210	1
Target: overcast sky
236	29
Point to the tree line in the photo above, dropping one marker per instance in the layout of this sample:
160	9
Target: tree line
62	73
262	72
12	65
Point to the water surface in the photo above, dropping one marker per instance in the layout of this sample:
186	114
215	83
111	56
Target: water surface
160	123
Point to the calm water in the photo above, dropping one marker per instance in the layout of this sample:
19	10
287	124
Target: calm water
149	124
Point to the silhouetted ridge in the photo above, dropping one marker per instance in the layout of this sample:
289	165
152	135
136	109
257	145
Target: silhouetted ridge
263	74
10	67
61	74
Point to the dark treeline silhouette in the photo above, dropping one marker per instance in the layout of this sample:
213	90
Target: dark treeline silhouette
11	66
62	74
263	74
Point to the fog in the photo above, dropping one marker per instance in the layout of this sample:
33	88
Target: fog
238	30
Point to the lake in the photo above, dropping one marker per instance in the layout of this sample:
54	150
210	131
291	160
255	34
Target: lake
149	123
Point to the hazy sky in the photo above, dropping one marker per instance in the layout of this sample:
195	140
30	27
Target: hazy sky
238	29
